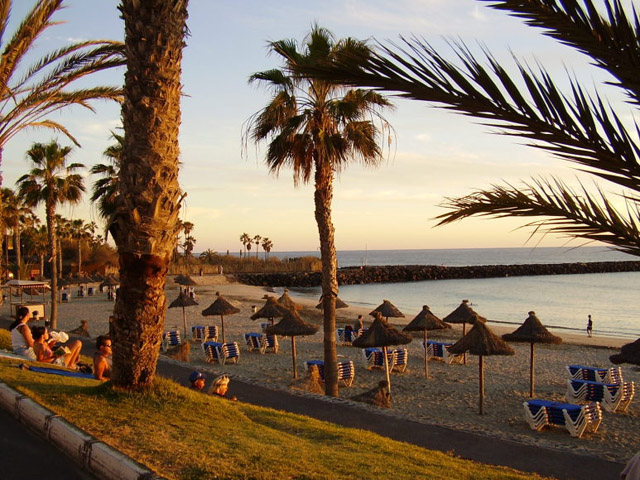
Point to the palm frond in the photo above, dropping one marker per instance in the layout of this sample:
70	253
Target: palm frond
565	211
611	42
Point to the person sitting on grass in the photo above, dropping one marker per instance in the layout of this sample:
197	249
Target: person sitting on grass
197	380
66	356
220	387
21	338
102	358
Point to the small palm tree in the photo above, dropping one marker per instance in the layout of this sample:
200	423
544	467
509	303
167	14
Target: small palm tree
246	240
267	245
209	256
105	189
317	128
580	128
14	215
53	182
256	240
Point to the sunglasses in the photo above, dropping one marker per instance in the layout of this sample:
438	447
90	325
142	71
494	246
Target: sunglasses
107	345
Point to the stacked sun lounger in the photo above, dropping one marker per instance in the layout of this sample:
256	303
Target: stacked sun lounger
577	419
256	341
440	351
614	397
170	338
397	359
204	333
346	371
604	375
221	352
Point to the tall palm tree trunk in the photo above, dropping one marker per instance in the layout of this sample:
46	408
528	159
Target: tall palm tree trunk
322	197
79	256
53	245
145	225
18	248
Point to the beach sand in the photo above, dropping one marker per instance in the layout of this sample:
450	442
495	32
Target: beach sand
449	397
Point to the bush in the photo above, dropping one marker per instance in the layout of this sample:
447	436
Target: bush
5	340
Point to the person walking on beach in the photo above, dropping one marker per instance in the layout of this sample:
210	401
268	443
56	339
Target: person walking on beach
589	327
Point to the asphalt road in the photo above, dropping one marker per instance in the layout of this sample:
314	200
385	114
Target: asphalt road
26	456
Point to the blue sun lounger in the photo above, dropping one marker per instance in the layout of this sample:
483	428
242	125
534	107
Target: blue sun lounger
440	351
615	397
397	358
594	374
221	352
346	371
170	338
204	333
576	419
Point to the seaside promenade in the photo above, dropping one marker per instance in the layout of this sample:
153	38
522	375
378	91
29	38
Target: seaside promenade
481	448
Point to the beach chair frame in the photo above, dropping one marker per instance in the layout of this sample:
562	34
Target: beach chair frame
594	374
346	371
440	351
221	352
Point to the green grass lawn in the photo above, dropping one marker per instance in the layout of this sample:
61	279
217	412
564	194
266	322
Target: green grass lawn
182	434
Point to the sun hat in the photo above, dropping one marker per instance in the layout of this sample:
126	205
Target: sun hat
195	376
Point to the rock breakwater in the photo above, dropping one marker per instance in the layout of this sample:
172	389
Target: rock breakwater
414	273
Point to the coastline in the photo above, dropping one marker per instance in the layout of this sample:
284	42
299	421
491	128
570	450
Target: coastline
449	398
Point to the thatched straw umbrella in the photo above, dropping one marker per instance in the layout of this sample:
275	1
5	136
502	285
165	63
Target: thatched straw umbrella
425	320
183	301
220	307
287	302
463	314
387	309
629	353
381	334
271	309
482	342
532	331
291	325
339	303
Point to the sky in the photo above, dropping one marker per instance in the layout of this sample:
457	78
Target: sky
435	154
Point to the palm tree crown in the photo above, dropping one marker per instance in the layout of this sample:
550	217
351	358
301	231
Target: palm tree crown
577	127
316	128
51	182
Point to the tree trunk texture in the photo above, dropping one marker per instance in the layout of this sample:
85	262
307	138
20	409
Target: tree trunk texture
145	225
323	197
53	242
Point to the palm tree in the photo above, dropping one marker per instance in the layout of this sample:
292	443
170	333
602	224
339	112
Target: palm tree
256	240
53	183
209	256
580	128
267	245
27	99
316	128
14	215
82	232
246	240
145	223
105	188
189	241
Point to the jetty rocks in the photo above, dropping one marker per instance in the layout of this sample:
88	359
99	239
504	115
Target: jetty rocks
414	273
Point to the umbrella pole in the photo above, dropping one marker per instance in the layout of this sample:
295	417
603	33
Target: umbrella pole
293	356
481	373
386	367
532	374
184	323
426	360
464	332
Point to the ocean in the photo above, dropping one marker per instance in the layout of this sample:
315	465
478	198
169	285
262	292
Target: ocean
561	302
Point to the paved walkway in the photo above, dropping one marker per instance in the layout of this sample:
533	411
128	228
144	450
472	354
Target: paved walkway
494	451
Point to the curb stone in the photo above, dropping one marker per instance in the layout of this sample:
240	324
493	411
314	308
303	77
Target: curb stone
96	456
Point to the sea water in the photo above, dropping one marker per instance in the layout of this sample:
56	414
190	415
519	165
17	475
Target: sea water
561	302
